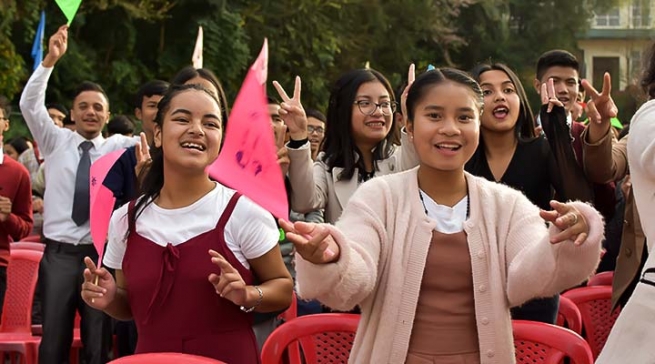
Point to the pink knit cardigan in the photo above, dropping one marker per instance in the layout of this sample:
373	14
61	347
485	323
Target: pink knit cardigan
384	237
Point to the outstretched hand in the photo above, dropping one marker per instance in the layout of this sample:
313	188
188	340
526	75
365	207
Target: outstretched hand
292	112
568	219
312	241
99	287
411	76
57	46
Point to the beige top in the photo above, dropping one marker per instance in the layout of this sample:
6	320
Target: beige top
444	323
384	237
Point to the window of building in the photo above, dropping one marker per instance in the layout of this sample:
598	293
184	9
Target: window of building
640	13
611	19
635	64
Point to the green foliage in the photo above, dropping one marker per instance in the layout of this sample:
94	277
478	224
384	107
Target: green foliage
123	43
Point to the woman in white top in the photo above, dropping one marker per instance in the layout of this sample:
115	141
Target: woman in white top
192	257
358	142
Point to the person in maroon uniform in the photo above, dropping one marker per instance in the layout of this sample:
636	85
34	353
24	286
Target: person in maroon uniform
193	258
15	203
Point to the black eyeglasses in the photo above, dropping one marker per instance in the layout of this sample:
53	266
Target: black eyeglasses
368	107
317	129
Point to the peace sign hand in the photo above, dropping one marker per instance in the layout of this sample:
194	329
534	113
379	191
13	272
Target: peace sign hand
228	284
292	112
601	108
312	241
411	76
548	95
57	46
142	151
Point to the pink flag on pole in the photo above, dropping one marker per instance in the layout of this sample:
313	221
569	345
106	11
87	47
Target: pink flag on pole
102	200
248	160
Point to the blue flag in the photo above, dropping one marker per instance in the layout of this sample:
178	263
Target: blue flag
37	47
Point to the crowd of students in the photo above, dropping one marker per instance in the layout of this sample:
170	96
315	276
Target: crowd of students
439	213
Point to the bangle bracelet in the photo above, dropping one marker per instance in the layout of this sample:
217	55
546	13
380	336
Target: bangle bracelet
259	301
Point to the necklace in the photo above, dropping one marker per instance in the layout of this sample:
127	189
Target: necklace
468	203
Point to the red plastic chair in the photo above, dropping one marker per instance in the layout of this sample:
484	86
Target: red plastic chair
28	245
16	327
165	358
291	312
32	239
324	338
595	305
569	316
540	343
601	279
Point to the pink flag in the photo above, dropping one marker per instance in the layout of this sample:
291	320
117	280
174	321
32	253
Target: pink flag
248	160
102	200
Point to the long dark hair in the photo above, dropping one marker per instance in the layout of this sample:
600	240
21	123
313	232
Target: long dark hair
525	125
152	178
189	73
339	144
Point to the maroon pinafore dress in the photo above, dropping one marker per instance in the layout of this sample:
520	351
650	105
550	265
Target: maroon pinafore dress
176	308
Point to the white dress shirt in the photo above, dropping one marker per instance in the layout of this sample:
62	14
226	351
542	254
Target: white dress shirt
2	154
247	241
60	149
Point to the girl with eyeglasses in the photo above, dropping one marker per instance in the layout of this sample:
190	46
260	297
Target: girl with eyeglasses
357	145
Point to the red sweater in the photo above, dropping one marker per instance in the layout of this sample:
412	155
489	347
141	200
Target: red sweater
15	184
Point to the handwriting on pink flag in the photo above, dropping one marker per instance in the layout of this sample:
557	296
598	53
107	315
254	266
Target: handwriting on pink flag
248	160
102	200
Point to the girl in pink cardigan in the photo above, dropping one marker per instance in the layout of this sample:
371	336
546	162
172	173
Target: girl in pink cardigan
434	256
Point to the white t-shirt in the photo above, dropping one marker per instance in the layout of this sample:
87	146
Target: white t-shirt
249	233
450	220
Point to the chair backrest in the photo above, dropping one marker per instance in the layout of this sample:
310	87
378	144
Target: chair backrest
569	316
324	338
22	274
595	305
28	245
540	343
32	239
165	358
601	279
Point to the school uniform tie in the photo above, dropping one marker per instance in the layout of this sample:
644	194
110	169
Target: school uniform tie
81	198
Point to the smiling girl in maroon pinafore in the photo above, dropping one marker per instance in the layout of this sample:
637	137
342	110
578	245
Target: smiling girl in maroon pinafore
187	254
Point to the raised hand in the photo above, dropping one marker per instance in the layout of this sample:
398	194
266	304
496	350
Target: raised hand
283	160
312	241
411	76
5	208
57	46
602	105
99	287
548	96
228	284
568	219
142	151
292	112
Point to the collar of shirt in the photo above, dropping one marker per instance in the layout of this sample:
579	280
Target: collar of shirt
2	155
97	141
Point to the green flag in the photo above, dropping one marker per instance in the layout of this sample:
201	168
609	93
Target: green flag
69	8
